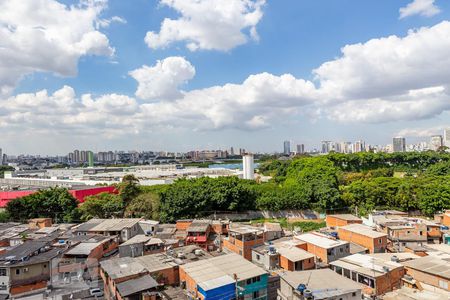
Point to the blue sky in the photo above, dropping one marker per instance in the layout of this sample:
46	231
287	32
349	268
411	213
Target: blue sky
294	37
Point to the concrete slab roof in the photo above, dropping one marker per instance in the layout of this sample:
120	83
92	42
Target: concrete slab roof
364	230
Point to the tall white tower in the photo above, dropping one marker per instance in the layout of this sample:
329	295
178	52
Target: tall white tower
248	166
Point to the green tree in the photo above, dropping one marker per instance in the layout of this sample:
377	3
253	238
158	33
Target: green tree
129	188
56	203
146	205
434	195
188	198
103	205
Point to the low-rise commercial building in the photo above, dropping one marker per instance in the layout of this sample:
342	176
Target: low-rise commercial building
319	285
364	236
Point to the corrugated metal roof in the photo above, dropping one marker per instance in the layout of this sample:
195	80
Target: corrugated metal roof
115	224
83	248
134	286
217	267
137	239
430	265
320	240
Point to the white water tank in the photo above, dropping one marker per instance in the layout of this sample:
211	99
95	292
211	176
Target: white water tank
248	166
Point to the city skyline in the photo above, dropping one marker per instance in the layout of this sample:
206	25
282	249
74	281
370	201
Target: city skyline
137	77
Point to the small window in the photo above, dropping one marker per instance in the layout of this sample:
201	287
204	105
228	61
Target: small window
255	294
45	266
258	257
2	272
443	284
25	270
353	294
341	250
380	241
249	281
17	271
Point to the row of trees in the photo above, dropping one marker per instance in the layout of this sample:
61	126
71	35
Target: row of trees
333	182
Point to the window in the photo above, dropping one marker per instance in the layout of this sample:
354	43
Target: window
17	271
353	294
443	284
420	232
249	281
341	250
2	272
380	241
255	294
45	266
25	270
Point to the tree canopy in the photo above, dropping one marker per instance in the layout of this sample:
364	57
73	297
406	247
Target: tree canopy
56	203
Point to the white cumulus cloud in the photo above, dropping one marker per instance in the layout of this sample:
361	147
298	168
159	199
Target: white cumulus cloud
47	36
425	8
161	81
208	24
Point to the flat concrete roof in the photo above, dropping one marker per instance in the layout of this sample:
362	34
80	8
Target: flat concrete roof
320	240
319	281
347	217
294	253
364	230
367	264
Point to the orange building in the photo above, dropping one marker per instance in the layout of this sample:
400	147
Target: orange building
431	271
342	220
242	238
377	274
295	259
323	247
446	218
39	223
365	236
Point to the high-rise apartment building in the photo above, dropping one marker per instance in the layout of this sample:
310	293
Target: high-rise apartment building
300	148
359	146
287	148
327	146
1	157
447	137
399	144
436	142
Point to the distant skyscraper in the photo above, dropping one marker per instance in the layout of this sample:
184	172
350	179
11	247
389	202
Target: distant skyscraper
435	142
327	146
287	148
447	137
1	157
300	148
90	156
359	146
231	151
248	167
76	156
399	144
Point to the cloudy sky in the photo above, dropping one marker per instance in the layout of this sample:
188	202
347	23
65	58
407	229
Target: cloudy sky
192	74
